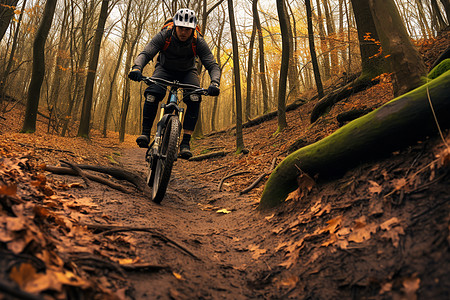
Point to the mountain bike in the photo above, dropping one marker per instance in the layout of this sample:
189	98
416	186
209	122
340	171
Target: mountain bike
162	151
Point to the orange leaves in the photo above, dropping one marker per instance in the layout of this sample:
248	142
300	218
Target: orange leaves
305	185
257	252
8	190
32	282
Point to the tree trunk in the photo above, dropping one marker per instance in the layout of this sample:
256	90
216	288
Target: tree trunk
116	69
437	13
405	60
37	75
294	83
237	79
446	4
250	74
372	61
6	13
262	70
396	124
60	63
312	49
331	37
11	55
323	43
85	119
283	19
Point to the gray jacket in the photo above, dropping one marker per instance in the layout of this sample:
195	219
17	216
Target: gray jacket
179	56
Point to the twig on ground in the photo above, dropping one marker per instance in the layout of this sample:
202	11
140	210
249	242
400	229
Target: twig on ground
116	229
212	171
261	177
229	176
90	260
78	170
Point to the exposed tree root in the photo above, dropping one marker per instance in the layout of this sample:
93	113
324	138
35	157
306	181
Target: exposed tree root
118	173
229	176
261	177
109	229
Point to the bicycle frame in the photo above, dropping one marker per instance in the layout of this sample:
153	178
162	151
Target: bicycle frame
171	107
162	152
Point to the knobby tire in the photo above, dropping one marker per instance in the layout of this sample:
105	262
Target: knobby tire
163	166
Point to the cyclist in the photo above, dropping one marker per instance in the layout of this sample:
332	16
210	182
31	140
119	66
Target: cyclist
178	46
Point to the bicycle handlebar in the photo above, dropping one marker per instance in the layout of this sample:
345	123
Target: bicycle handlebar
176	84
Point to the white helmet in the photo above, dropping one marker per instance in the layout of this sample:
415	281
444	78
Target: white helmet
185	18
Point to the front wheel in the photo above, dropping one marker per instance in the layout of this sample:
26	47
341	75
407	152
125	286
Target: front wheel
162	167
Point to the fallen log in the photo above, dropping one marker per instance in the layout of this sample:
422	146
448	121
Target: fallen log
325	104
400	122
208	155
120	174
266	117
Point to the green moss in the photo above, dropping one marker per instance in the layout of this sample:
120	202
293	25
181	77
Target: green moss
440	69
356	139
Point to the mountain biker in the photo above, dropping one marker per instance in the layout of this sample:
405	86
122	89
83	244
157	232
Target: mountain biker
178	46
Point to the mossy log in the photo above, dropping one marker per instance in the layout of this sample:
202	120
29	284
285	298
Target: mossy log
400	122
326	103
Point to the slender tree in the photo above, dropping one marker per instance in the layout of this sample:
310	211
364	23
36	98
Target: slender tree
85	120
7	8
11	55
116	69
250	73
282	83
38	72
237	79
406	62
262	69
312	49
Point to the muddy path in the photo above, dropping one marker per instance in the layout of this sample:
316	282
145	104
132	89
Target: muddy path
217	257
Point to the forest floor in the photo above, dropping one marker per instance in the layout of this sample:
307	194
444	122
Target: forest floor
379	231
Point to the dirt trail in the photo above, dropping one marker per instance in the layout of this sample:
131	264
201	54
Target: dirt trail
223	264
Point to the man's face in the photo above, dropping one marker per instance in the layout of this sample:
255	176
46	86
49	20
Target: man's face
183	33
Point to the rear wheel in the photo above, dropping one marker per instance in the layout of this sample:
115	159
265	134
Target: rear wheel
162	167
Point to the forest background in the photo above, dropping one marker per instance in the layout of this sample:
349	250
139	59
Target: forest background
113	103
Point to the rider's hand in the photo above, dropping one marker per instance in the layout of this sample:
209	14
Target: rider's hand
214	89
135	75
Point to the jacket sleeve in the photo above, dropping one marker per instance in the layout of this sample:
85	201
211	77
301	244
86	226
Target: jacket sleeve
208	60
150	51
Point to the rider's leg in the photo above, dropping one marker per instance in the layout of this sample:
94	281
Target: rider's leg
190	119
152	100
192	111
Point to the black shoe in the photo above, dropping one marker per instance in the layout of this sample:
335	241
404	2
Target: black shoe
143	141
185	151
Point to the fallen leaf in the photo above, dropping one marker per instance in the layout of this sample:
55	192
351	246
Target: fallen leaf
399	183
257	252
389	223
410	286
386	287
269	217
223	211
333	224
8	190
375	188
362	231
22	274
393	234
289	282
177	275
